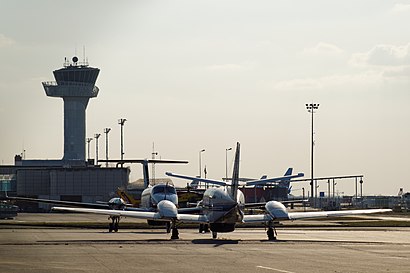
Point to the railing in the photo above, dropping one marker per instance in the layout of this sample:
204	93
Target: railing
65	83
66	88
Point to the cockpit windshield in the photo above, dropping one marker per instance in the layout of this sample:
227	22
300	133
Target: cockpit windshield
165	189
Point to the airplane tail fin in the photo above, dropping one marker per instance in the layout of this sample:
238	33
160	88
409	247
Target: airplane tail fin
145	173
286	183
288	172
235	175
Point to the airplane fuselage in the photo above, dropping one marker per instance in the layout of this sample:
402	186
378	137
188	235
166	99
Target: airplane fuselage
151	196
221	210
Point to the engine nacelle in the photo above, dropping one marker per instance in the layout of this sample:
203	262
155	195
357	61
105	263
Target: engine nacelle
277	210
167	209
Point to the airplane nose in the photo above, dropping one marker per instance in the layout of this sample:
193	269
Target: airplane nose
167	209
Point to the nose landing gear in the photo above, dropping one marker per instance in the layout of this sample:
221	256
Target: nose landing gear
272	234
175	233
113	226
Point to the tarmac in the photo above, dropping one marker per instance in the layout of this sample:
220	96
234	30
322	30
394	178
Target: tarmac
28	248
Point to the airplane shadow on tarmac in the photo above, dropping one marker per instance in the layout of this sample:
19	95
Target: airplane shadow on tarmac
214	242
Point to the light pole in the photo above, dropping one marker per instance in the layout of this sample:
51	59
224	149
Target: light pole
106	131
153	154
226	162
88	139
122	122
200	164
311	107
96	136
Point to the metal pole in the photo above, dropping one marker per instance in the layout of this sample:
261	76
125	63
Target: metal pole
121	122
200	165
311	108
106	131
226	163
303	198
311	158
96	147
355	186
153	164
89	139
328	190
361	188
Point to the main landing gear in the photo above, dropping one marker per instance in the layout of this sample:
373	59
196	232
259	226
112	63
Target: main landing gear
271	232
214	234
175	233
168	227
113	226
203	228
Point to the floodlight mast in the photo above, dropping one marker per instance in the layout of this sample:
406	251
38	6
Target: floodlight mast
121	122
106	131
311	107
96	136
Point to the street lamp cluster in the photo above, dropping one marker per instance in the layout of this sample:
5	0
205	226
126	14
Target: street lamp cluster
97	135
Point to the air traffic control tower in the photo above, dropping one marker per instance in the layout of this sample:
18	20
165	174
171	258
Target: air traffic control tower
75	83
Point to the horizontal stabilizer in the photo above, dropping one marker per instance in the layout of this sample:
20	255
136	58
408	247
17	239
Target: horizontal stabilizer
193	178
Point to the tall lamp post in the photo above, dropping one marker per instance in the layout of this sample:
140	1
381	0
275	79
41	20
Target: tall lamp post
122	122
311	107
226	162
96	136
153	154
200	164
106	131
88	139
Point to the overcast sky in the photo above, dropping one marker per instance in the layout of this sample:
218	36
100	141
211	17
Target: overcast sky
191	75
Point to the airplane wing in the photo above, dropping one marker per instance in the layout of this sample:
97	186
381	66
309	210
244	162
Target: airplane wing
193	218
135	214
276	211
273	179
325	214
59	202
188	218
210	181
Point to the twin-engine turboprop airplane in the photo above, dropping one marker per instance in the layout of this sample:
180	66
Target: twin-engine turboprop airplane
222	209
150	197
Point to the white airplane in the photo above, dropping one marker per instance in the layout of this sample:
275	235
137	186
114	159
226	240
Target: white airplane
222	209
150	197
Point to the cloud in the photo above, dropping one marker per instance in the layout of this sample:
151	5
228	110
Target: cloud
323	83
324	49
5	41
383	55
229	67
400	8
298	84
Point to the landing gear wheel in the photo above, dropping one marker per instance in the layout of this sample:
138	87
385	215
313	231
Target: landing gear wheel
113	226
201	228
175	234
271	234
206	228
168	227
214	234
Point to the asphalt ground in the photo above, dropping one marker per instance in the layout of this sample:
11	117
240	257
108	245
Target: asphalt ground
25	248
